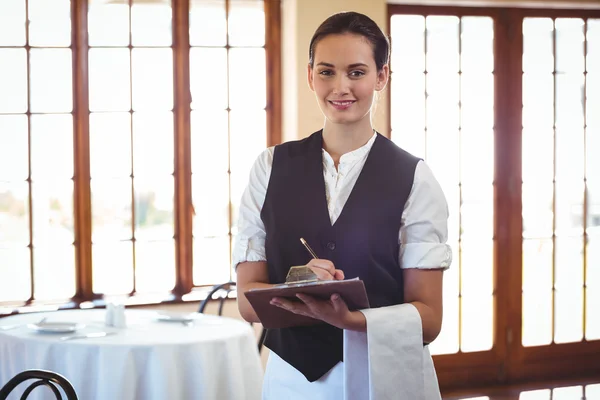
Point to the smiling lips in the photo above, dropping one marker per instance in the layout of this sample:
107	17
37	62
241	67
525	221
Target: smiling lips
341	104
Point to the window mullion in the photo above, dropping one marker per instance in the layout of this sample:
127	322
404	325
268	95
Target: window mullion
183	169
82	197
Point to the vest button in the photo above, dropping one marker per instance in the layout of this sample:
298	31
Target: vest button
331	245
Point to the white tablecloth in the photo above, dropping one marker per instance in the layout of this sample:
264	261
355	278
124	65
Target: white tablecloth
215	359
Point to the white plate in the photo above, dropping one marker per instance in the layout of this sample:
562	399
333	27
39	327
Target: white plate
56	327
176	317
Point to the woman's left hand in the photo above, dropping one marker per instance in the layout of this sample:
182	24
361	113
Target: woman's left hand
333	311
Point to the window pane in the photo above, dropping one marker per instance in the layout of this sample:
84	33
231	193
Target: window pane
153	144
110	145
208	78
568	393
477	323
477	44
154	266
478	292
111	210
208	23
443	156
212	259
51	84
537	292
210	193
13	148
443	101
569	100
51	147
592	391
538	45
593	45
13	80
442	44
14	214
569	289
247	78
538	101
12	23
538	211
152	79
477	169
246	23
477	101
538	142
592	83
54	272
110	87
248	139
112	268
210	142
154	203
49	23
151	23
15	273
52	213
408	111
569	208
408	46
536	395
108	23
570	55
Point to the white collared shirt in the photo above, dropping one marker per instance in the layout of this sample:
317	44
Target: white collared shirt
423	232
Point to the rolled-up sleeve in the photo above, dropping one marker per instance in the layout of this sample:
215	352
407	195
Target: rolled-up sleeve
249	244
424	230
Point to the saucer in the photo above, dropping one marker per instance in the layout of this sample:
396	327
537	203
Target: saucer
56	327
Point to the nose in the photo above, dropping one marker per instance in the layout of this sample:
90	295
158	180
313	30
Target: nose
341	85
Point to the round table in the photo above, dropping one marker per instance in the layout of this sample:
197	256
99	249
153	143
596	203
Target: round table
214	358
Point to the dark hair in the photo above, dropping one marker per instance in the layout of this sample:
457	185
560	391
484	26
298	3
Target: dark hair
356	23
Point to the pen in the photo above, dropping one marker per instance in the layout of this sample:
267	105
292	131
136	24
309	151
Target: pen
312	253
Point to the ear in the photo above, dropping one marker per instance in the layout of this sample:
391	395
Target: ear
382	78
309	74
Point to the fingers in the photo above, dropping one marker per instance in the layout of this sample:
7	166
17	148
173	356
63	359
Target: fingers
322	274
339	305
325	269
323	264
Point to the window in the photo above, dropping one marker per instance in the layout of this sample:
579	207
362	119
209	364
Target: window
490	98
118	120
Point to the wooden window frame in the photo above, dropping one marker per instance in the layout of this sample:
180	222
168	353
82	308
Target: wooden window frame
509	362
184	288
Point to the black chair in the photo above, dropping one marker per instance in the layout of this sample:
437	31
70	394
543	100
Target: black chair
223	291
51	380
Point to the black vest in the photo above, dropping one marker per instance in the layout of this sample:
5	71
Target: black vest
363	242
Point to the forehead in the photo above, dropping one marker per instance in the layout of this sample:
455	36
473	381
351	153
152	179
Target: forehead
344	49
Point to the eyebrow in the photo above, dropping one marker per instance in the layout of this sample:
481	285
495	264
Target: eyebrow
355	65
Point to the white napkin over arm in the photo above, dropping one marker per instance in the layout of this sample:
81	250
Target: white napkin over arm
389	361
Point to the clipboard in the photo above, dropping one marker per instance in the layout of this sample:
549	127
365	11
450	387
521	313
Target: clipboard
352	291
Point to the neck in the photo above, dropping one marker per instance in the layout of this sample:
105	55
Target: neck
339	139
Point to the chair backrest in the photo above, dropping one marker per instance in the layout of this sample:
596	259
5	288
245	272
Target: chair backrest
51	380
227	288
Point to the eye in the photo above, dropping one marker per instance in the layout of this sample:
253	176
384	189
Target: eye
356	74
326	72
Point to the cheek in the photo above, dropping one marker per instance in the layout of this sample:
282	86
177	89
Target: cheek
365	91
321	88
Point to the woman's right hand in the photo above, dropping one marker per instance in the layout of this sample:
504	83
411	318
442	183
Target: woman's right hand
325	270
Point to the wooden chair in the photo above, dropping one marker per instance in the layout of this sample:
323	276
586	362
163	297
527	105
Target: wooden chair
222	291
51	380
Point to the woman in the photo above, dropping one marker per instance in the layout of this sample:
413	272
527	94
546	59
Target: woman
368	209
